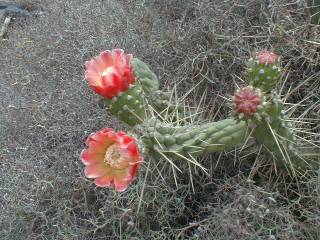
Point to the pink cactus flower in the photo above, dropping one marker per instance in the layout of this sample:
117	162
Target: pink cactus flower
110	73
112	159
247	101
265	57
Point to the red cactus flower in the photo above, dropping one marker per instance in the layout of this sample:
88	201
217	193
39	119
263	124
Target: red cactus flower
110	73
247	100
265	57
112	159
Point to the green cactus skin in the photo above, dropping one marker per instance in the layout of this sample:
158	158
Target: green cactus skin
166	140
265	116
129	106
263	76
145	76
280	141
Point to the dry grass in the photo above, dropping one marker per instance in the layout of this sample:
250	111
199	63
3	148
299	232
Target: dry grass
47	110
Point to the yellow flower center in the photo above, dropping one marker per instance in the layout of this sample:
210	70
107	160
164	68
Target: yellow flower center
113	155
107	71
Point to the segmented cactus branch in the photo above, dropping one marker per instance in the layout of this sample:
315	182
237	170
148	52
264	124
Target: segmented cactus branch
164	139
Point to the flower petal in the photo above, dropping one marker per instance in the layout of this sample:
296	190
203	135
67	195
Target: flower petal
105	181
90	158
102	136
96	170
118	57
120	183
129	58
106	57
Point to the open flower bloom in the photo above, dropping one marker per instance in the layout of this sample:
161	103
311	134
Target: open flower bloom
247	101
110	73
265	57
112	159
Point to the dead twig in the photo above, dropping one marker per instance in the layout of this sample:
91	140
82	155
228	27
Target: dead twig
4	27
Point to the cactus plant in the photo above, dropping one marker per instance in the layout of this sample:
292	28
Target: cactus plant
263	70
129	86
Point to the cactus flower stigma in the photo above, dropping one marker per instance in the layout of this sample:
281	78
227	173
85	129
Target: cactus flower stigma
112	159
247	101
110	73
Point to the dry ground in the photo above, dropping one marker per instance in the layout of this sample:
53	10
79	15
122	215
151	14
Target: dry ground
47	111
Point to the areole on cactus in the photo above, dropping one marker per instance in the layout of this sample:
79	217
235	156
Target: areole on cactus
131	92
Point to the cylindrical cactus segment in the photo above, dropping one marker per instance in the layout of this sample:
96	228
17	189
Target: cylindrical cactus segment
264	70
275	135
129	106
145	76
265	116
165	140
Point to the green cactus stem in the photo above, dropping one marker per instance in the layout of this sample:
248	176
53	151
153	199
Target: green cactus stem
129	106
265	115
275	133
168	141
145	76
263	70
